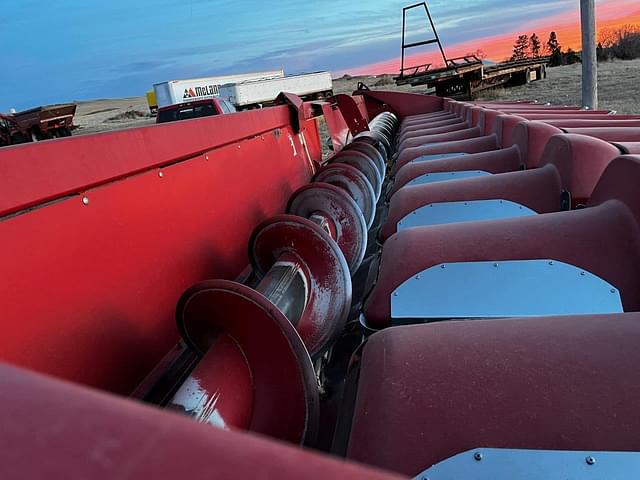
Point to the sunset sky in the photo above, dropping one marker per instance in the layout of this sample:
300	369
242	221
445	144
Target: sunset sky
81	49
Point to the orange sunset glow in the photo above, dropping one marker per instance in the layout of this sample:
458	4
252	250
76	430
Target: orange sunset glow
499	47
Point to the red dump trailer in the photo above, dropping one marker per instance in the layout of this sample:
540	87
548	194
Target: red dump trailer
36	124
452	293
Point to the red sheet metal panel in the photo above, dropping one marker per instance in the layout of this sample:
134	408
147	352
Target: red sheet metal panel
34	173
428	392
338	129
54	430
90	289
400	103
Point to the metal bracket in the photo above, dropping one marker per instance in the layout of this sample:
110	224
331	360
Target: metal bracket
456	212
295	104
446	176
351	114
565	200
501	289
508	464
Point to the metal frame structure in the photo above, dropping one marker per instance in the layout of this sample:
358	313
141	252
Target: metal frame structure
405	46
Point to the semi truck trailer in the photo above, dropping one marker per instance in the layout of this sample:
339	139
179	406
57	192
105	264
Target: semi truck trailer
257	93
179	91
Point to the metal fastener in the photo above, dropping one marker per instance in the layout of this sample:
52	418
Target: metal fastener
206	157
160	174
417	277
395	294
551	263
590	460
613	290
477	456
495	265
582	273
442	266
85	200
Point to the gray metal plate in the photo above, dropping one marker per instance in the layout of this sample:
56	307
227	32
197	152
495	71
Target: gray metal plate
515	288
438	156
505	464
454	212
445	176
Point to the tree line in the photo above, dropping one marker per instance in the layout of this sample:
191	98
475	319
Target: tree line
622	43
527	46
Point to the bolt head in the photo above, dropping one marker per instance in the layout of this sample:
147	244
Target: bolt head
160	174
477	456
590	460
85	200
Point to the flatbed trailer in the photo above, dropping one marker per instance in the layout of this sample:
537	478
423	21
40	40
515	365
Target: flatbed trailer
462	77
470	75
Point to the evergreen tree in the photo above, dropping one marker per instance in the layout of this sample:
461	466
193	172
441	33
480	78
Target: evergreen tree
520	48
554	49
534	42
552	43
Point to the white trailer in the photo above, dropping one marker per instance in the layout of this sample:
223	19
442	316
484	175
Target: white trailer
180	91
255	93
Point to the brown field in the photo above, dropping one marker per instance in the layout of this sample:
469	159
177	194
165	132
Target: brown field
619	89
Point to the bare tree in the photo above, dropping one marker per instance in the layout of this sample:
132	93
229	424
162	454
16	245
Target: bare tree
478	53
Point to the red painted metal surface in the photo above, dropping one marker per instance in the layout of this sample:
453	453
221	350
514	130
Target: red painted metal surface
336	124
347	224
428	392
352	115
219	391
51	429
93	286
354	182
283	398
608	225
35	173
327	275
399	103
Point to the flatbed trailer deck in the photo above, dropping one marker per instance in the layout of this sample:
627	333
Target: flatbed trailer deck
463	81
462	77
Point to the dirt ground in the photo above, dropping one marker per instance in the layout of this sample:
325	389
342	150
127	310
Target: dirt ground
102	115
619	89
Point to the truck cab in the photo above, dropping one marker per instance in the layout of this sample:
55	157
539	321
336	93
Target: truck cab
195	109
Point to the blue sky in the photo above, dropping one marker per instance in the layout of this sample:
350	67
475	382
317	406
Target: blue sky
63	50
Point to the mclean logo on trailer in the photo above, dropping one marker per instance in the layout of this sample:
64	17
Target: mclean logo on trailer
206	91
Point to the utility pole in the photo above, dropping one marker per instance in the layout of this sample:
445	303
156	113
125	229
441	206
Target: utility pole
589	59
